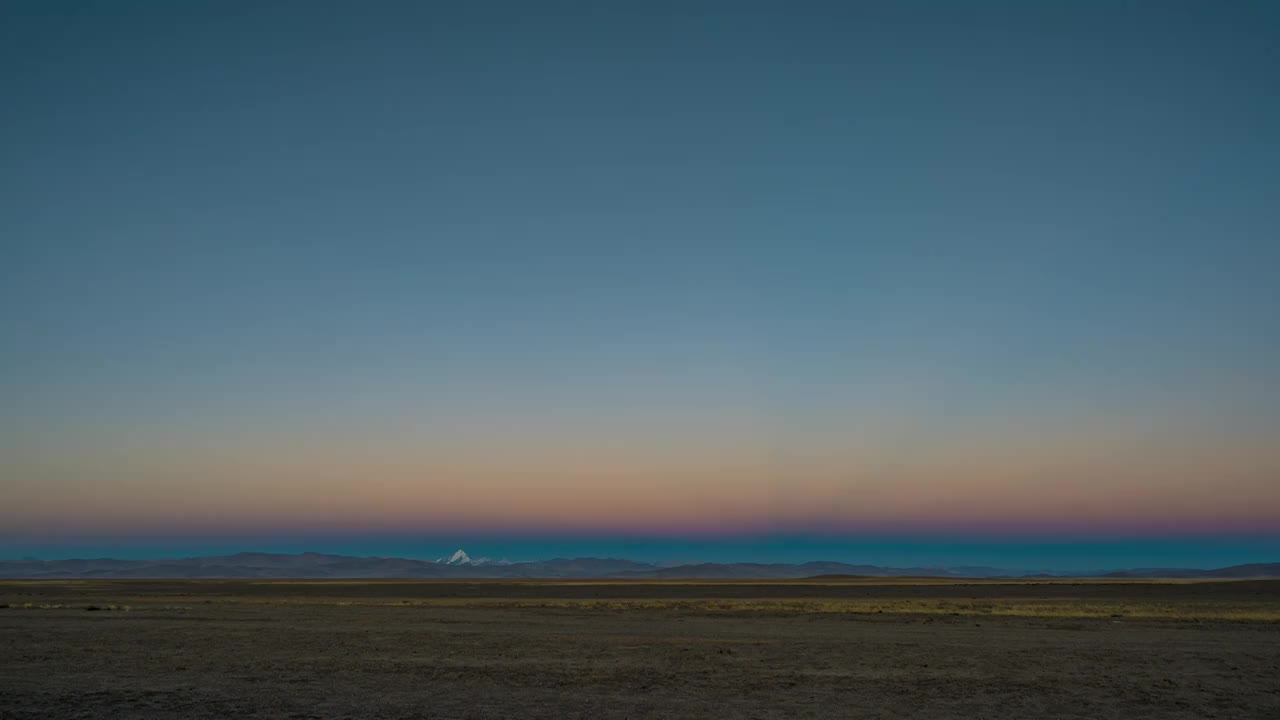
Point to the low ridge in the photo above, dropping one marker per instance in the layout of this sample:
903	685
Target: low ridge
462	565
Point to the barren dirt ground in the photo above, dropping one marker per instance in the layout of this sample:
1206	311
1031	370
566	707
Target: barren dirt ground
194	649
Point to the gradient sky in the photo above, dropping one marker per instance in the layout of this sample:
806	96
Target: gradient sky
870	281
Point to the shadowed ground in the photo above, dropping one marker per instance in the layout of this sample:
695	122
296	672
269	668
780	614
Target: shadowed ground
177	649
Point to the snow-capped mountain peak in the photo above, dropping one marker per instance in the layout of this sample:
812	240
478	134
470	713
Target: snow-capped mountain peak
458	558
462	558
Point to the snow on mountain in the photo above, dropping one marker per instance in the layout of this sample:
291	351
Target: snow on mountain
462	558
458	558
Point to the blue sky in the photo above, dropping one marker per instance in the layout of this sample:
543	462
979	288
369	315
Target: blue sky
660	267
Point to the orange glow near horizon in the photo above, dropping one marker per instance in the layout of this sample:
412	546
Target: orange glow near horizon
1092	484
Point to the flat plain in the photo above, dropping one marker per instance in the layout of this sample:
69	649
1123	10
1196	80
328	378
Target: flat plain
832	647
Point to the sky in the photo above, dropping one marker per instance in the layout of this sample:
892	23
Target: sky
982	282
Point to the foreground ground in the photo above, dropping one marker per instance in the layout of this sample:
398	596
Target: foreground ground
192	649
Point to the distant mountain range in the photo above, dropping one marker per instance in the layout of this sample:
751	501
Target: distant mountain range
1252	570
461	565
